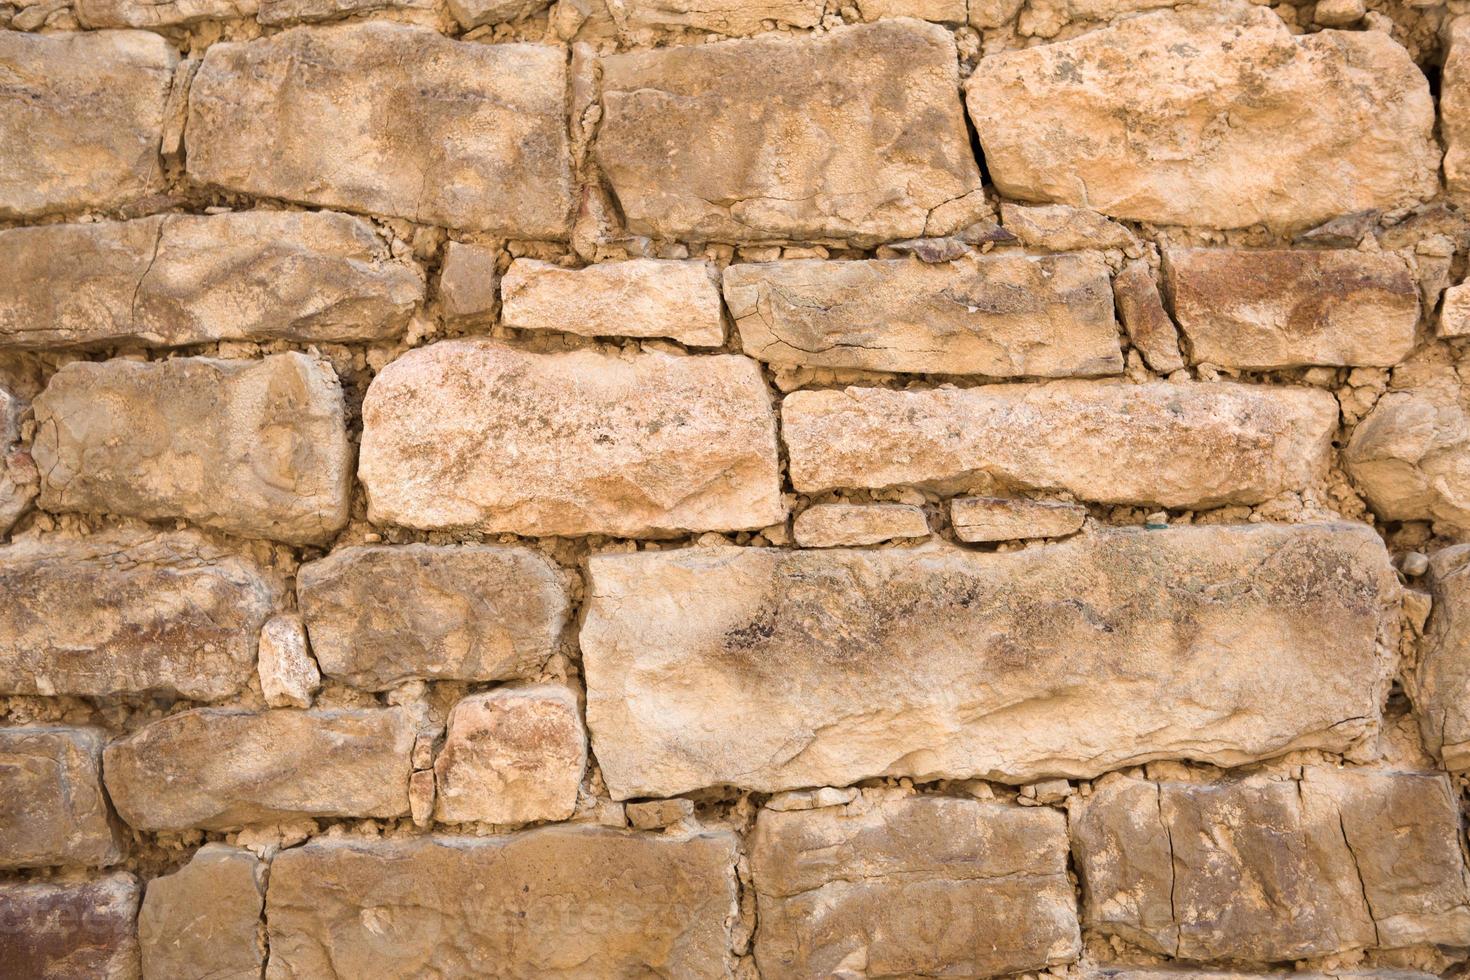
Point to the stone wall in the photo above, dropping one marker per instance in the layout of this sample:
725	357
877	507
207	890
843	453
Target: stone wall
734	488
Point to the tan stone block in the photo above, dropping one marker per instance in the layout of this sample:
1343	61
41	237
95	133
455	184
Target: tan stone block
278	12
19	478
1454	109
1012	518
147	14
731	17
944	11
476	13
1149	326
1454	312
1440	684
1062	228
834	525
204	920
52	807
469	285
70	931
636	298
658	814
289	678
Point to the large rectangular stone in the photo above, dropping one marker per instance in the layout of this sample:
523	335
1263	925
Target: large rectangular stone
636	298
170	280
203	920
391	119
854	134
732	17
52	808
573	901
476	434
120	613
224	768
998	315
926	886
151	14
70	931
1162	444
255	448
773	669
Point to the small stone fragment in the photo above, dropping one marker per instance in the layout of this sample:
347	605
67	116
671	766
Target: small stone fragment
1149	326
85	930
1062	228
1454	110
1454	314
52	808
979	519
940	11
476	13
636	298
274	13
811	799
150	14
658	814
1440	686
19	478
735	18
289	678
1050	791
204	919
421	797
834	525
469	285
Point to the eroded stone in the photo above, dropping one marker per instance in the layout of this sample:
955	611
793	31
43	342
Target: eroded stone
1014	518
72	930
52	808
833	525
732	17
1149	326
19	479
1062	228
1440	686
149	14
636	298
204	919
1454	110
278	12
469	285
1454	313
476	13
289	678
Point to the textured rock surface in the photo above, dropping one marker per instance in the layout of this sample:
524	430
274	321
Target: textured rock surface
1176	118
129	612
469	285
204	919
560	901
637	298
52	808
256	448
442	132
774	669
19	479
1440	686
65	930
916	887
1454	314
1152	331
276	12
832	525
474	613
478	434
1454	110
168	13
217	769
474	13
289	677
183	279
856	134
1175	445
732	17
1061	228
1012	518
999	315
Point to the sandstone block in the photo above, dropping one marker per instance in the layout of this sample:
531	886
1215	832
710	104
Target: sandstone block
636	298
1454	110
732	17
998	315
443	132
289	678
1176	118
147	14
255	448
470	613
925	886
278	12
223	768
854	134
658	814
944	11
558	901
833	525
511	755
73	931
83	120
181	279
1260	309
475	13
1454	313
774	669
1440	685
1170	445
1014	518
123	612
478	434
1062	228
204	919
469	285
52	808
1152	331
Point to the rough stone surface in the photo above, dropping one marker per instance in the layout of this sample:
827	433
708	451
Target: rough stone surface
915	887
148	14
559	901
204	919
1172	445
637	298
255	448
124	612
83	120
184	279
470	613
771	669
1061	228
512	755
1176	118
1440	685
1149	326
944	11
1454	110
70	930
19	479
731	17
1012	518
998	315
1454	313
52	808
220	768
469	285
854	134
833	525
442	132
658	814
289	678
1261	309
476	434
277	12
476	13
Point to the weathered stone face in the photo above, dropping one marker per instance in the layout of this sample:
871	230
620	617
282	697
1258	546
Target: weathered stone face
1136	296
255	448
1062	228
441	132
478	434
184	279
52	808
1440	686
204	919
169	13
560	901
854	134
1172	445
1261	309
914	887
732	17
998	315
1176	118
129	612
219	769
475	13
1013	518
84	929
832	525
1454	110
637	298
289	677
277	12
19	479
770	669
469	285
83	120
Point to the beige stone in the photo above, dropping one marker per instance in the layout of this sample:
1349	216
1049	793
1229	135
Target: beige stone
1013	518
442	132
181	279
944	11
223	768
203	921
732	17
1061	228
476	434
998	315
658	814
1046	18
289	678
83	120
988	14
1177	117
52	808
511	755
913	887
1171	445
129	612
833	525
636	298
476	13
1454	110
1189	973
147	14
774	669
1149	326
70	931
469	285
811	799
421	797
853	134
1440	685
558	901
255	448
1454	313
279	12
19	479
470	613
